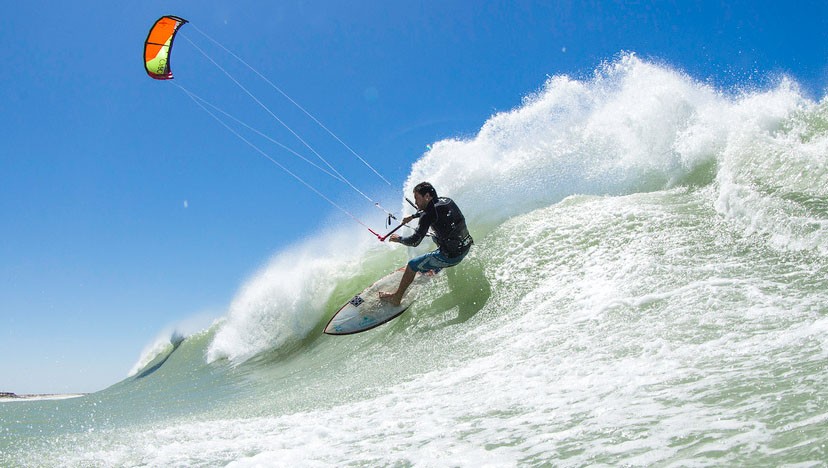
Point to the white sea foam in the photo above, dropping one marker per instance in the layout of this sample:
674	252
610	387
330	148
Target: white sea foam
634	126
773	172
282	303
43	397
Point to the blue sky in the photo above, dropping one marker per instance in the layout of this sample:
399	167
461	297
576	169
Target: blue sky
124	208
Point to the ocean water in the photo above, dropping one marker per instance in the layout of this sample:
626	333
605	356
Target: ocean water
649	287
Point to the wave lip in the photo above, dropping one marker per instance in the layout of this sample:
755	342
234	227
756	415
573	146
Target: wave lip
286	299
635	126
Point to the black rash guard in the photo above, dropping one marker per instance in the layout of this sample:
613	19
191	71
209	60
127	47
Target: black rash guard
449	225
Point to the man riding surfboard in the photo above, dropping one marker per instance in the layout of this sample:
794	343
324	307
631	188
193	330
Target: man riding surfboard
449	231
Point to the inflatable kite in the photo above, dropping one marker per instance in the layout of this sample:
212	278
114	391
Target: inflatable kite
158	46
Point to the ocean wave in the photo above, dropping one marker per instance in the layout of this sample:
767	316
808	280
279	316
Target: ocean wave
634	126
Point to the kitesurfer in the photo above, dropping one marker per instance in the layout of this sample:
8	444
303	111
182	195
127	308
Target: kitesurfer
448	226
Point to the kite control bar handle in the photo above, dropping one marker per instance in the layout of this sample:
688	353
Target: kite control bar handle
381	237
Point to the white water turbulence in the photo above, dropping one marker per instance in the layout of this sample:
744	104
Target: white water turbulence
281	305
648	287
634	127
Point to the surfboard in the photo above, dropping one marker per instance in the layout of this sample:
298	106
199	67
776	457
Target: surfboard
366	311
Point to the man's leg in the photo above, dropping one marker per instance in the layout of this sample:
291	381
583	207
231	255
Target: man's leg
395	298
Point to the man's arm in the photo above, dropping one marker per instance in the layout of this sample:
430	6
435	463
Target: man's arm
419	234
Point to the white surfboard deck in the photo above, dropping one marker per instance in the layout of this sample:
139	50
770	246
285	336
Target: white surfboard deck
366	311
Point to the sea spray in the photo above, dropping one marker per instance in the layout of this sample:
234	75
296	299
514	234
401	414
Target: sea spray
635	126
774	171
286	299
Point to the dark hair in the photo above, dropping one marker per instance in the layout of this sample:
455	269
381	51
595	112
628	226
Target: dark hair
424	187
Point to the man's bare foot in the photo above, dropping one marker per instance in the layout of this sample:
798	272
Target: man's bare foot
391	298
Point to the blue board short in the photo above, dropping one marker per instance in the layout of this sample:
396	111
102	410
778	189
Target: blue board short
434	261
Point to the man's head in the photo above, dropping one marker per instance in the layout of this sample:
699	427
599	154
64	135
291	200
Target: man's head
423	193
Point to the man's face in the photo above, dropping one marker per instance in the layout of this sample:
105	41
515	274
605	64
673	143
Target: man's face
421	200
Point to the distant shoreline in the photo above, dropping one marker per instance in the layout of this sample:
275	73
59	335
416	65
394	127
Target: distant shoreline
9	396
